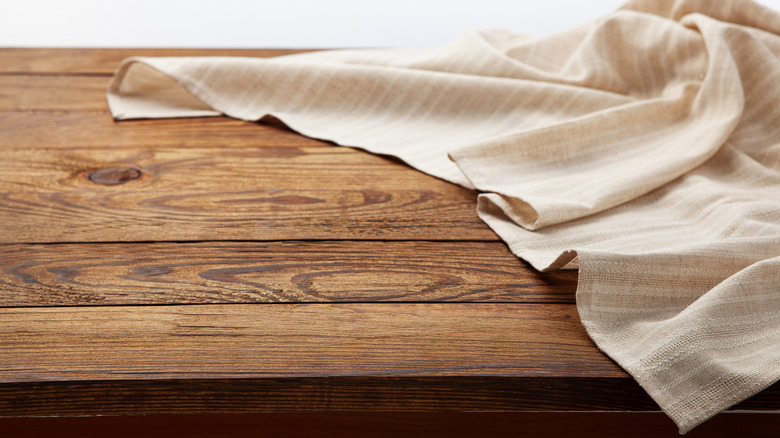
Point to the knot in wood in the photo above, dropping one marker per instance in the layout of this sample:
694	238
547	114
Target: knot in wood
114	176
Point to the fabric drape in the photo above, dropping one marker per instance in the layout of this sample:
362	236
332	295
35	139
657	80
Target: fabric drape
642	148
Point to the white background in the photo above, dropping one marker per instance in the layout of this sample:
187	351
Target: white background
281	23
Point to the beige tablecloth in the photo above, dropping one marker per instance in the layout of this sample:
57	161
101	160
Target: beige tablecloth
642	148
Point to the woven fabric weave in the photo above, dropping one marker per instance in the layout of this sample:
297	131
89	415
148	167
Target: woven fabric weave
642	148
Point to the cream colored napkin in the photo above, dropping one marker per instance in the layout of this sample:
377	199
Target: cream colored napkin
642	148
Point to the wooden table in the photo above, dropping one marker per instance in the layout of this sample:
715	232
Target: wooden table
244	275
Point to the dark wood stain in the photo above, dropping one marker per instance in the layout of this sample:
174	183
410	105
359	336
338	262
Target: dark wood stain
335	394
391	425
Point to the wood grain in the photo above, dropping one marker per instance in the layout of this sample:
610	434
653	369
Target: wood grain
303	358
49	93
336	394
297	340
254	272
104	61
96	129
331	394
380	288
227	193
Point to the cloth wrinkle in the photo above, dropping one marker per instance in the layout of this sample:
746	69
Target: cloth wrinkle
642	148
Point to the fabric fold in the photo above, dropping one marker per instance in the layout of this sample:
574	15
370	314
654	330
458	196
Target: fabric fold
641	149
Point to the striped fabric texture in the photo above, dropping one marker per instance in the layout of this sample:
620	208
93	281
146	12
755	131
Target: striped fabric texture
642	149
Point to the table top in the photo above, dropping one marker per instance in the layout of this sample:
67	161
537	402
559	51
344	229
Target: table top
211	265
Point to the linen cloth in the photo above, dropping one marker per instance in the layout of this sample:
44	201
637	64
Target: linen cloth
642	148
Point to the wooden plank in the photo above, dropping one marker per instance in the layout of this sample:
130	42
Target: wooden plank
244	341
225	193
254	272
62	61
339	394
313	357
96	129
393	425
47	93
327	394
